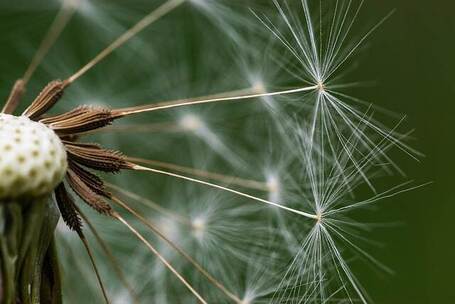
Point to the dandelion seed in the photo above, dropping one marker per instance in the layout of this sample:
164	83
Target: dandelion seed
319	47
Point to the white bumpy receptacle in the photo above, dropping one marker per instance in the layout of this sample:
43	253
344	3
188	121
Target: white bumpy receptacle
33	159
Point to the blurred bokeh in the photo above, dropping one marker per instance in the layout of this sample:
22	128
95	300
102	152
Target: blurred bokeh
409	66
412	60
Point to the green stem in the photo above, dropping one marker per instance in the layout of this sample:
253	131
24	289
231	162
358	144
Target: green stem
11	222
29	272
46	236
51	288
30	254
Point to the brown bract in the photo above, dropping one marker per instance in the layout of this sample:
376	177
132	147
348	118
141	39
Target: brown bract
82	157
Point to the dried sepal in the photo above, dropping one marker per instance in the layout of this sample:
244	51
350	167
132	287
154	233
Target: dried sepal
67	208
94	182
14	98
87	195
95	157
48	97
79	120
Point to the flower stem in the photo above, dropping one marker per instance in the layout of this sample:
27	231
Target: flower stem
28	265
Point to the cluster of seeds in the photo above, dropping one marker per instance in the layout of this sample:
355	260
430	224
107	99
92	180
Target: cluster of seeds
32	158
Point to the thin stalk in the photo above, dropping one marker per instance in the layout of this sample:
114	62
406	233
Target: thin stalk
136	128
166	212
172	126
61	20
226	179
160	257
192	261
14	97
197	101
110	256
58	25
95	268
152	17
178	176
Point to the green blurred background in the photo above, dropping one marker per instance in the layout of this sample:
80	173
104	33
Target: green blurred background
411	58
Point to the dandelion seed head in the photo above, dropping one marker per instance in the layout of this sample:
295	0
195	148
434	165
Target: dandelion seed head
33	160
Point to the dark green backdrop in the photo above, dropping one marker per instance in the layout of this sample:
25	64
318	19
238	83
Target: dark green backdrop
414	61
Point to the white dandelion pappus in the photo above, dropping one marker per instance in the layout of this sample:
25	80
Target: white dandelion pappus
317	37
320	270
